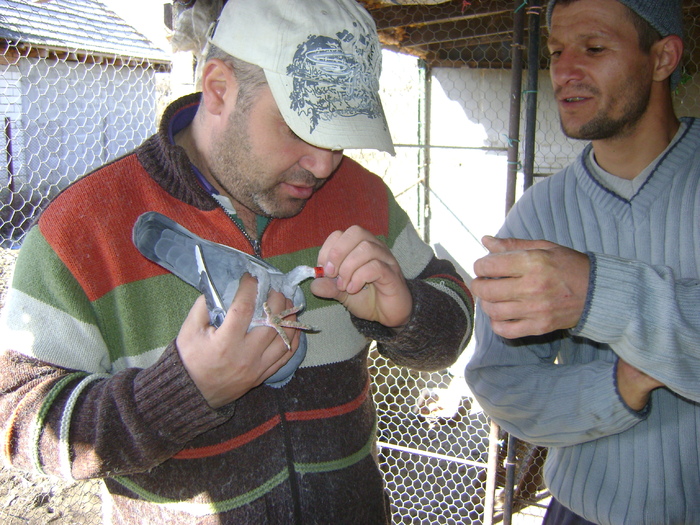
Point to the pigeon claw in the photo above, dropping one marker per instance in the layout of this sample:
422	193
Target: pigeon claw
278	322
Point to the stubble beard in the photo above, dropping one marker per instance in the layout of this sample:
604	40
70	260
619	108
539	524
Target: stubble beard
241	174
602	126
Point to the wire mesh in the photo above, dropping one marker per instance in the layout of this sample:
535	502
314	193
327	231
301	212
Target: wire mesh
68	110
432	446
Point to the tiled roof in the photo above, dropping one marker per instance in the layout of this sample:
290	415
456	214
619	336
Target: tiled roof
74	25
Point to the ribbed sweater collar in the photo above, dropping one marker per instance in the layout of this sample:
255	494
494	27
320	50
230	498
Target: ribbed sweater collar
673	163
168	164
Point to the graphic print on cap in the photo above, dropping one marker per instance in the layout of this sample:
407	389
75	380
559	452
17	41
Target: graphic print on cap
331	78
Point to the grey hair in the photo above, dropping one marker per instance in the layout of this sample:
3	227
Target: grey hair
250	77
190	34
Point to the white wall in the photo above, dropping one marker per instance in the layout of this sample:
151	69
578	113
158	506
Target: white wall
468	155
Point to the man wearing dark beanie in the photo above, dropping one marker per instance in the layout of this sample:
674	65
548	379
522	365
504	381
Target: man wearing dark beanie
589	315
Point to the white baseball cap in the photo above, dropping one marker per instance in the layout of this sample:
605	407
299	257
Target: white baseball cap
322	60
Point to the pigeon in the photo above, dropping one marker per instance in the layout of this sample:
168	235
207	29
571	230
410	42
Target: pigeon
215	270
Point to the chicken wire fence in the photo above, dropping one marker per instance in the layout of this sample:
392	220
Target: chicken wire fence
461	144
65	111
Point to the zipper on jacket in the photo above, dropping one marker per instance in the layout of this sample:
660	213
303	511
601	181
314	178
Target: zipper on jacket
254	243
289	452
202	188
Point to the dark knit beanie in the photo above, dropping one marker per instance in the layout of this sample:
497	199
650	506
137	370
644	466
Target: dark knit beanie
664	15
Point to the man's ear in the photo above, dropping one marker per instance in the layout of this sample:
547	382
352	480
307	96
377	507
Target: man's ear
219	86
668	52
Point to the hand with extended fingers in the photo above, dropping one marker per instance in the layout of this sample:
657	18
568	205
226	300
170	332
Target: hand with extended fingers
228	361
530	287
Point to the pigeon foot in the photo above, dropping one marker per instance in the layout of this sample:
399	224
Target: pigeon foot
278	322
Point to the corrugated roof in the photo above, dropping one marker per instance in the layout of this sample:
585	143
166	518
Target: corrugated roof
74	25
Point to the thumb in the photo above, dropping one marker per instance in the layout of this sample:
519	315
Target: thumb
325	288
242	307
199	312
495	245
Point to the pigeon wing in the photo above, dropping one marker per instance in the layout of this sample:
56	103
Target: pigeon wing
172	246
167	243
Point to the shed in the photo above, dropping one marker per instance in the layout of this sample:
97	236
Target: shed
78	88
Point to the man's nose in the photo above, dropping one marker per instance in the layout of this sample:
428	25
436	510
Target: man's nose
565	68
321	162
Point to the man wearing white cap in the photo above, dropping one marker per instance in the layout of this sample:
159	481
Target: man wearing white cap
110	366
589	303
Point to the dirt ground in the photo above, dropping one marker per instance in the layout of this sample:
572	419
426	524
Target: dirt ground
27	499
7	263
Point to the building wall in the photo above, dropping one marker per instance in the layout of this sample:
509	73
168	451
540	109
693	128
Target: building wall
11	111
67	118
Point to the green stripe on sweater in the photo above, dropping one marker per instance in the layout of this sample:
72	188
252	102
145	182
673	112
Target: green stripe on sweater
38	425
398	220
338	464
145	314
214	507
205	509
45	277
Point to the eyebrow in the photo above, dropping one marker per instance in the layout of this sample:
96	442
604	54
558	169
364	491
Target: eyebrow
586	36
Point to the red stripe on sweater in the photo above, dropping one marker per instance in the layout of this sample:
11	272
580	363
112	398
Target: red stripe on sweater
93	236
238	441
459	283
89	225
308	415
304	415
334	207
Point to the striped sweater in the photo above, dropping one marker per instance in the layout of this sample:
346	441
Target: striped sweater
92	385
605	462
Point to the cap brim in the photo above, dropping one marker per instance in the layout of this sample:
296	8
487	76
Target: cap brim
337	128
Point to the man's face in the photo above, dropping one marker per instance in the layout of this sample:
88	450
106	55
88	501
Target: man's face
601	78
263	165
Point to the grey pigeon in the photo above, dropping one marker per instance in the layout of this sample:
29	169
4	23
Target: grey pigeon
215	270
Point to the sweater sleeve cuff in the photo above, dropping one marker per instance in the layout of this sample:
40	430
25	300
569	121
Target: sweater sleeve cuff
613	287
172	403
419	344
589	293
641	414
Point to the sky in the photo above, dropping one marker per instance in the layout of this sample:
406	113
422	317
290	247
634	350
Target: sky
144	15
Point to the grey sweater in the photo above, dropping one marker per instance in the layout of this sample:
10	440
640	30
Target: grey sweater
606	462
